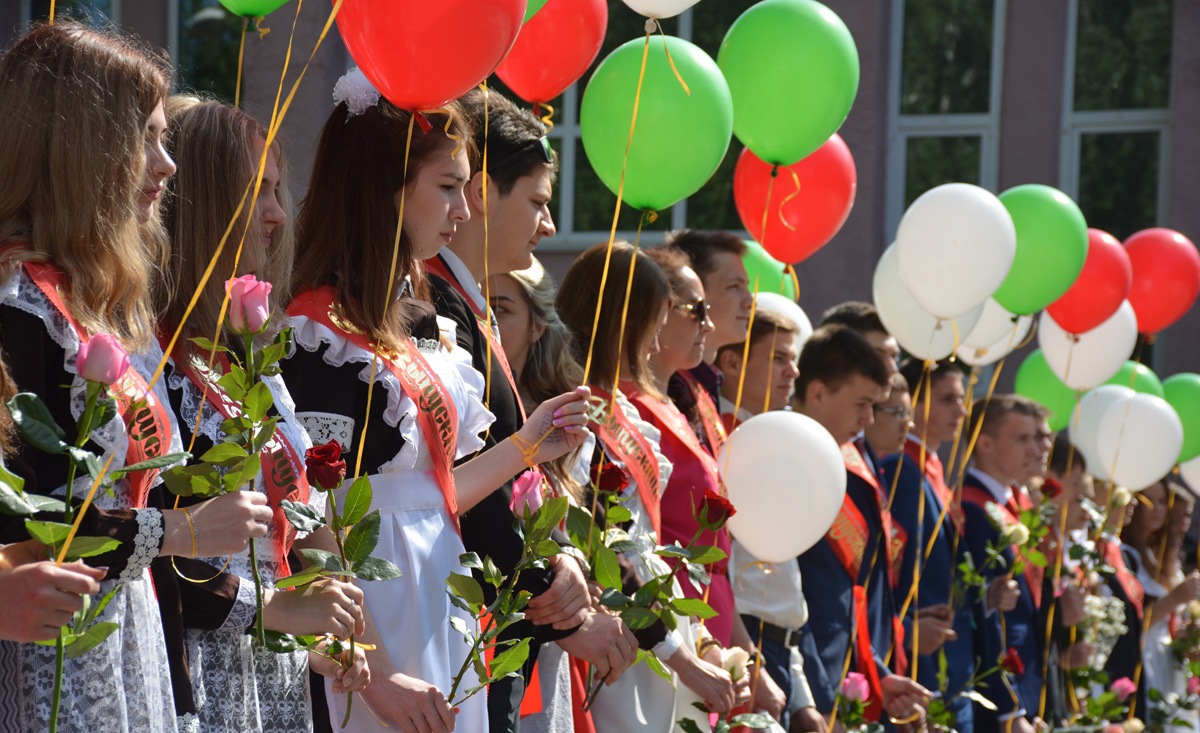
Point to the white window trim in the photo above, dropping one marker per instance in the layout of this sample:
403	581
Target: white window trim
902	128
1077	124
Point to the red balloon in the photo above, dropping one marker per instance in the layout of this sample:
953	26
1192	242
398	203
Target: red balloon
799	221
420	54
1100	288
1166	277
555	48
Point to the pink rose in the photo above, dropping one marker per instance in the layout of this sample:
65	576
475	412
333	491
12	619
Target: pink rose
855	687
527	493
1123	688
1193	687
249	306
101	359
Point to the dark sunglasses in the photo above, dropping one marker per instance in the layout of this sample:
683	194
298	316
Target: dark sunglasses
542	145
698	310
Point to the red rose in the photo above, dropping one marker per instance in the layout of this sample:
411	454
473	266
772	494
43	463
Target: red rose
610	478
715	510
1011	662
325	467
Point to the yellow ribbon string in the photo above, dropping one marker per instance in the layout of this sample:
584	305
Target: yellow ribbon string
762	237
547	118
737	403
787	199
271	132
671	61
612	235
770	372
487	292
260	28
646	217
51	12
451	117
791	272
237	86
362	436
1147	615
926	386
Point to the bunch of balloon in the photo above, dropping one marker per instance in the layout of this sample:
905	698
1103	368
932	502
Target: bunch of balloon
1037	381
997	334
1166	277
1182	392
554	49
767	274
1052	246
923	335
1101	287
396	42
1091	358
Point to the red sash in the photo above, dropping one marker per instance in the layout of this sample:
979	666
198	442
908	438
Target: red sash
439	268
1134	591
710	417
937	480
894	532
866	655
669	418
146	421
437	416
1011	513
283	468
627	443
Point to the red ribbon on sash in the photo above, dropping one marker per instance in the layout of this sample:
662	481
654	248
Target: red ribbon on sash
439	268
710	417
437	417
866	657
146	421
1011	513
894	532
282	467
623	440
936	478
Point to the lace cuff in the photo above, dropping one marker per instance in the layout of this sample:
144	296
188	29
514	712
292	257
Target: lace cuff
146	544
242	613
188	723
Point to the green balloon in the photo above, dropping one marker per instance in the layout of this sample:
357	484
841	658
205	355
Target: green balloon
252	8
1139	377
680	139
770	274
792	67
1052	244
532	8
1039	383
1182	391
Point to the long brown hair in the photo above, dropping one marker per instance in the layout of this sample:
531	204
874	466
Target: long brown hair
214	145
347	222
72	161
649	294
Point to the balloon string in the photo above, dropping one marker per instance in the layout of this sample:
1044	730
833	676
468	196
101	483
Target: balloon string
670	60
1147	615
548	118
260	28
51	12
487	292
762	237
770	372
1057	576
612	235
237	87
646	217
451	117
362	436
158	371
787	199
737	403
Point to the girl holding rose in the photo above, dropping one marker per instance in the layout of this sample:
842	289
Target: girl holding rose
237	684
359	321
83	168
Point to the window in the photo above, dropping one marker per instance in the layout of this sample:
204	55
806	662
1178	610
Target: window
204	44
97	12
1116	112
943	110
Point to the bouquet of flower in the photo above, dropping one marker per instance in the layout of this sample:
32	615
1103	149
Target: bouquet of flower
1185	633
1103	626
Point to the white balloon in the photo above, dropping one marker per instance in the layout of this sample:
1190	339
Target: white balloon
919	333
979	356
781	305
1141	437
785	476
956	244
1191	473
660	8
1085	425
995	323
1093	357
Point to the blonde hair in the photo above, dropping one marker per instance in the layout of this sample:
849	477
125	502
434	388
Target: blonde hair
550	369
72	161
214	145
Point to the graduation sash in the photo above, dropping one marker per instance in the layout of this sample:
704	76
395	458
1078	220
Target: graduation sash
895	534
710	417
1134	591
669	418
437	417
623	440
146	421
439	268
936	478
282	467
1011	513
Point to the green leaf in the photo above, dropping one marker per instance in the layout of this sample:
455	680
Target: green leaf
362	538
199	480
302	516
579	524
279	642
673	551
689	726
618	514
207	345
33	419
470	560
234	383
697	574
638	618
163	461
323	558
756	721
91	638
224	453
510	661
612	598
654	664
48	533
547	517
357	503
1037	557
98	608
491	573
105	410
11	480
622	547
45	503
706	555
467	588
14	503
608	572
90	547
302	578
87	459
693	607
271	354
258	401
376	568
547	548
243	474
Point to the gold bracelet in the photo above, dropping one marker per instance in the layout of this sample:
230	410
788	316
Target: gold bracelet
191	528
528	450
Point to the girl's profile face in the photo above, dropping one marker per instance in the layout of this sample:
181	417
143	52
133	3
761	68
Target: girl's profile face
435	202
158	166
268	211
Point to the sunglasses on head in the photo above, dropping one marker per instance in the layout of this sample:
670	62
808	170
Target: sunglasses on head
541	144
698	310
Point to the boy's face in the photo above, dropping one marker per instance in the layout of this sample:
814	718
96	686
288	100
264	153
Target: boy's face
770	372
517	221
847	408
728	292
